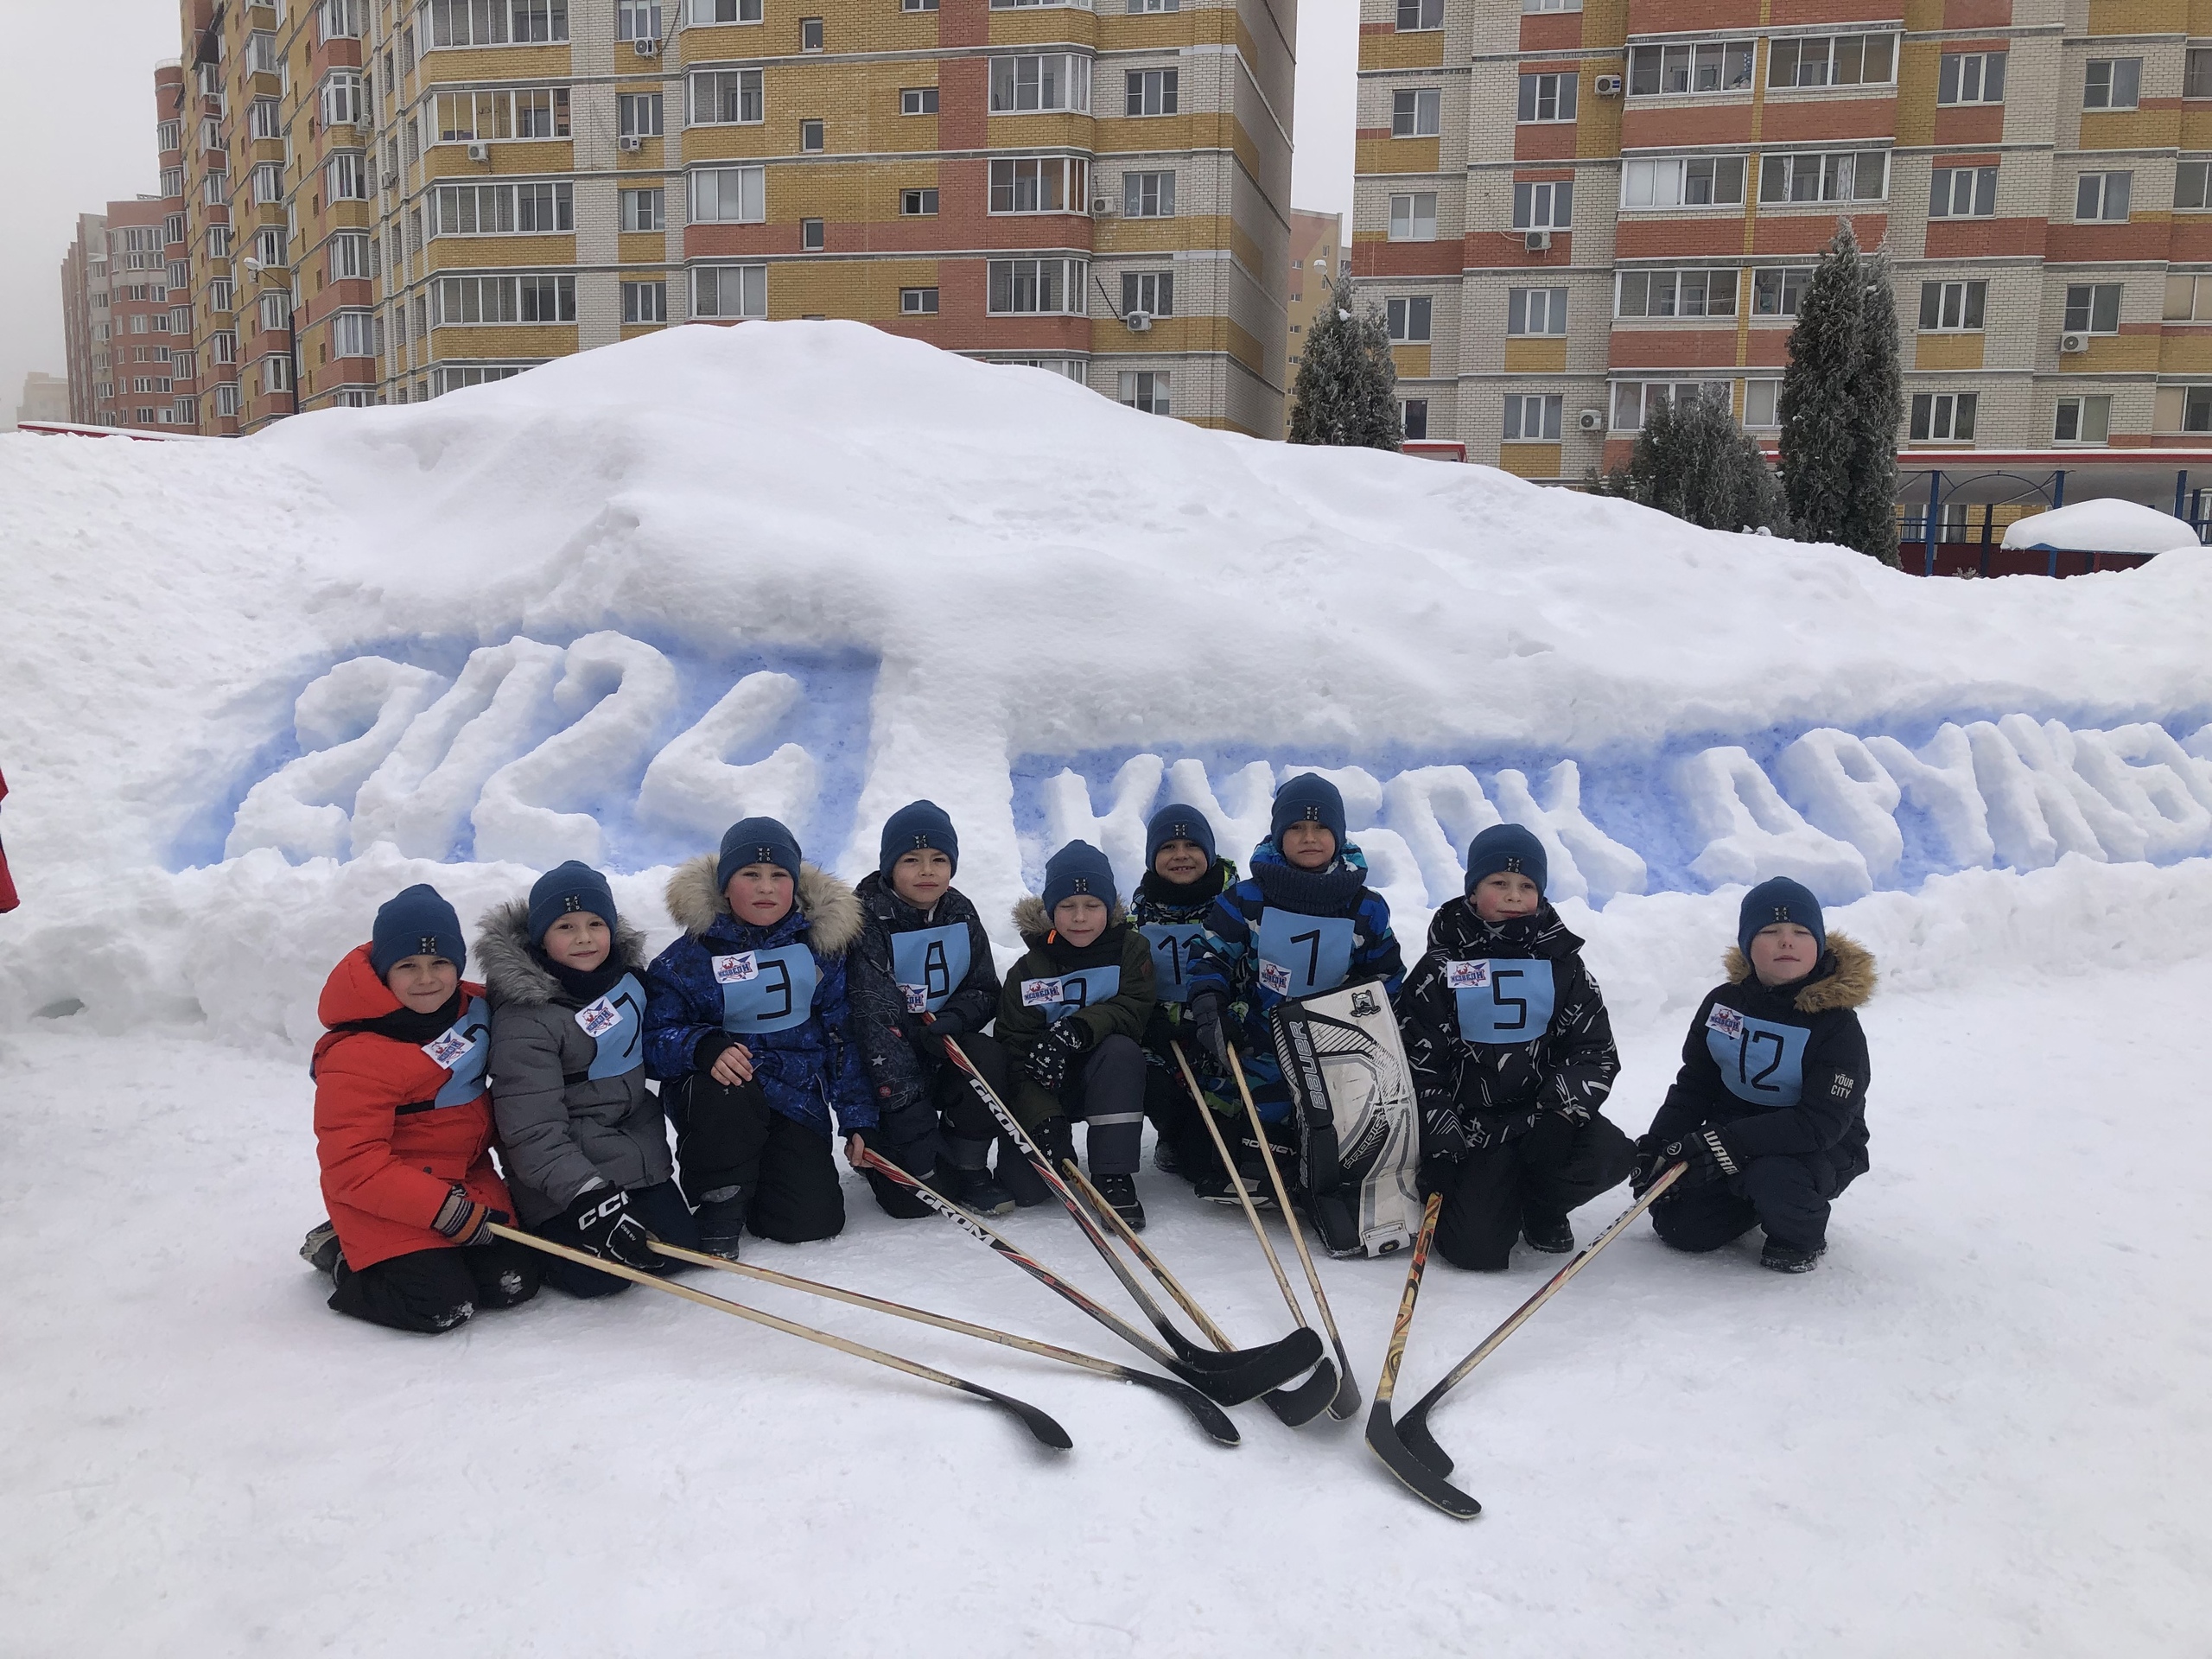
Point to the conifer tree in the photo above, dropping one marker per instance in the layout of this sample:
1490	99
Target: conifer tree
1840	403
1347	386
1692	459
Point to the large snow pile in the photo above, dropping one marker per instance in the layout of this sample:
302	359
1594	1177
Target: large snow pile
2102	526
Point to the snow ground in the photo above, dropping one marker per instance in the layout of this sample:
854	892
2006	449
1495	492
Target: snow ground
1979	1429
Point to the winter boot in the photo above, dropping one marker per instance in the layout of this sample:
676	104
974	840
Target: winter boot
1121	1192
320	1249
1214	1188
1164	1159
1546	1230
722	1224
978	1191
1787	1258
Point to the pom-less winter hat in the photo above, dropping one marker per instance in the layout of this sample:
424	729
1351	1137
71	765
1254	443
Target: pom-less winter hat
914	827
567	888
1507	849
1780	899
755	840
1308	798
1176	822
416	922
1078	867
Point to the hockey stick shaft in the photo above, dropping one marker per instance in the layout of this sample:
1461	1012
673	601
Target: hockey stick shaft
1236	1182
1386	1386
1383	1438
1120	1229
1036	1421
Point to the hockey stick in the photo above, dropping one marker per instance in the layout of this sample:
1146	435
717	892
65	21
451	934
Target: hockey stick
1223	1378
1047	1431
1277	1360
1295	1406
1347	1400
1208	1415
1412	1427
1423	1481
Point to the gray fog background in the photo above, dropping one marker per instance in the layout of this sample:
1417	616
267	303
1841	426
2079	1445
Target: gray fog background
76	124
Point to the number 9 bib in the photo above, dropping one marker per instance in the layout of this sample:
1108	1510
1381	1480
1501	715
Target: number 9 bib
766	990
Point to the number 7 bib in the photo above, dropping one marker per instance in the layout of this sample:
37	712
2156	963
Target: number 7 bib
1301	954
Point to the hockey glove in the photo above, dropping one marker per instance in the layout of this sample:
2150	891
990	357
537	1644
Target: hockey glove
1047	1063
1705	1159
605	1227
1055	1138
1213	1038
463	1220
1442	1136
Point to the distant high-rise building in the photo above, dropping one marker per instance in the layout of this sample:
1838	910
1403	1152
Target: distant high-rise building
87	323
1315	241
46	398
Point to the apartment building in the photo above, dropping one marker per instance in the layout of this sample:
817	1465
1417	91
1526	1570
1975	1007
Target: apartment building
1573	209
1316	249
87	327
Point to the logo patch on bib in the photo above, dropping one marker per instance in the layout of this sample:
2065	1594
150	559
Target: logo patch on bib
1466	976
735	970
1275	977
449	1047
600	1017
918	998
1726	1020
1040	993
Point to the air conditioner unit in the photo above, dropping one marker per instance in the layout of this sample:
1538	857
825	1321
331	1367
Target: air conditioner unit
1101	206
1606	85
1591	420
648	47
632	142
480	152
1139	322
1539	241
2073	343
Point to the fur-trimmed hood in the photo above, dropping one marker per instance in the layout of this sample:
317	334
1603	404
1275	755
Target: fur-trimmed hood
513	972
1849	984
832	912
1034	924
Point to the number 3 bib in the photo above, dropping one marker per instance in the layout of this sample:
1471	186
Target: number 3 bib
766	990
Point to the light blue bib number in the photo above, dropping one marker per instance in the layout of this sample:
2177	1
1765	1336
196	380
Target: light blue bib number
1061	997
1513	1002
1760	1062
930	964
1302	954
473	1028
614	1025
1175	946
766	990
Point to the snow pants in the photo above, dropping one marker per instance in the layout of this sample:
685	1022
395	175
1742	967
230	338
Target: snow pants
665	1215
1105	1091
732	1147
959	1121
1168	1102
1788	1194
435	1290
1556	1166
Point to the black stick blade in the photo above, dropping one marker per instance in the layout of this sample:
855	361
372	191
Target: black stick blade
1413	1435
1247	1373
1346	1406
1295	1407
1210	1417
1413	1475
1047	1431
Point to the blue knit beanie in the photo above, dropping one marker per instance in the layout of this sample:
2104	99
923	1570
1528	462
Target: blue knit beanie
1780	899
917	825
1308	798
1176	822
568	888
416	922
1078	867
1507	849
755	840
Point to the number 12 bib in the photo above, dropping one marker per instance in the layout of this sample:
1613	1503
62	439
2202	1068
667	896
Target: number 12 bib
1759	1061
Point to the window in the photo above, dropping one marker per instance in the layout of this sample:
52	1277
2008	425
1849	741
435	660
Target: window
341	98
533	112
219	241
1695	292
1411	317
1836	175
1942	417
353	333
917	301
1149	92
501	209
1762	403
169	135
277	372
1420	14
346	176
223	346
540	20
2083	419
211	133
172	180
1963	192
1971	77
1683	181
1635	400
349	255
2092	308
1071	367
917	100
1148	195
262	57
1540	207
811	232
810	34
729	195
732	11
268	182
2191	186
459	378
637	115
1832	60
1418	113
215	189
1413	418
645	302
2197	408
227	401
222	295
918	203
1051	80
1536	311
1689	66
1042	286
2188	299
1139	7
494	22
173	231
1144	389
269	245
1547	97
917	6
505	299
2113	83
2197	74
179	319
1043	184
645	210
266	119
727	95
1152	292
638	19
810	135
1952	307
1532	417
2103	196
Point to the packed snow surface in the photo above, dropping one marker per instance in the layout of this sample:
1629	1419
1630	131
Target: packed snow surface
2102	526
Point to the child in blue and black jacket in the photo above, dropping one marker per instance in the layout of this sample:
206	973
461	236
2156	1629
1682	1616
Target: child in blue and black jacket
747	1028
1304	921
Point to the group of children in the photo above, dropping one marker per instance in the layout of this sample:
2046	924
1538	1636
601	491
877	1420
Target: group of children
793	1009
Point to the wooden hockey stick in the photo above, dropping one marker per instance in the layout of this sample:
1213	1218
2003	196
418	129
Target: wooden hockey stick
1423	1481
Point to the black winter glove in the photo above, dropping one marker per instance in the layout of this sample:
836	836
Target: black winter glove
465	1222
1047	1063
1206	1009
1442	1136
1706	1159
601	1218
1055	1138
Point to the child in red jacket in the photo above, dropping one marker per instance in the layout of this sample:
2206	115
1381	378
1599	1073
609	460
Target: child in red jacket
402	1128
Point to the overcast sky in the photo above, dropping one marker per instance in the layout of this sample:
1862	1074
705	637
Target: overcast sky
76	124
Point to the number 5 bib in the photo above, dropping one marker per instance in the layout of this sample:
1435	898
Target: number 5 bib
1507	1000
766	990
1301	954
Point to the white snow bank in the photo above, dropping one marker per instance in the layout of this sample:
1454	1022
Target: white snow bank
2102	526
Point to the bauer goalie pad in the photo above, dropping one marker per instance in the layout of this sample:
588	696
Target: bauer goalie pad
1358	1134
